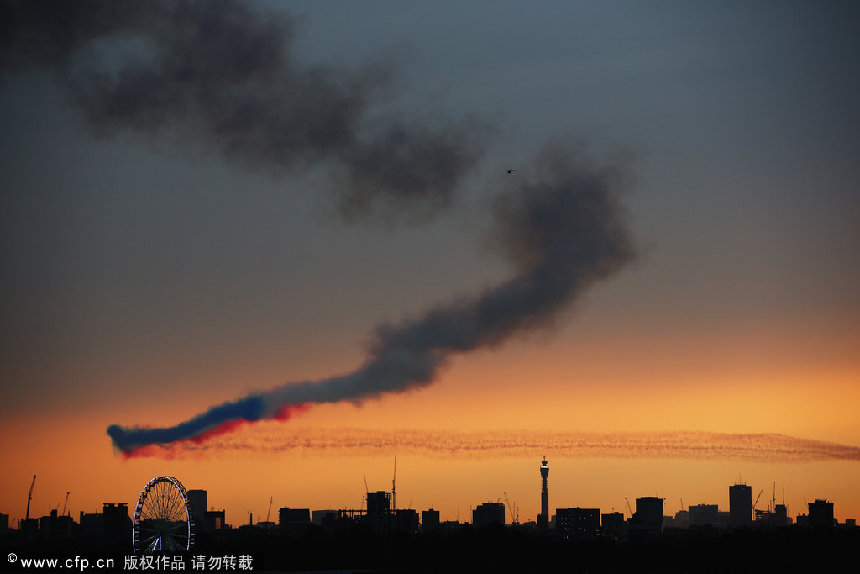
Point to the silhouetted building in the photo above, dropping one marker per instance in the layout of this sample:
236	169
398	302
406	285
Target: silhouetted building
378	503
648	519
318	517
802	520
543	517
406	520
379	516
4	523
29	528
704	516
214	520
294	521
682	519
112	524
821	514
116	522
91	524
668	522
429	520
577	523
613	524
197	504
740	506
263	525
771	519
288	516
54	526
488	513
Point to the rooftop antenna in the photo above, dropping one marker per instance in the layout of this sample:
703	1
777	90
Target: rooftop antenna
394	485
773	498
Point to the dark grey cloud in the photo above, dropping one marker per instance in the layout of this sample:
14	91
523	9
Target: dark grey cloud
225	76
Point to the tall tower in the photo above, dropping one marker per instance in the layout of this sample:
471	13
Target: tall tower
740	506
543	517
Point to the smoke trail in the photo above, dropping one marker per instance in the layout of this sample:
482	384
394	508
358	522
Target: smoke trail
690	445
562	232
224	76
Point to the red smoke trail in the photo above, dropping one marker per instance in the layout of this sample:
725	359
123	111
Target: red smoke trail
289	410
175	449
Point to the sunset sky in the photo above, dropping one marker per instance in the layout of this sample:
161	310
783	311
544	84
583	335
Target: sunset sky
153	268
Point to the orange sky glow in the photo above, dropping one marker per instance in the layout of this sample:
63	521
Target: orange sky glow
479	433
618	241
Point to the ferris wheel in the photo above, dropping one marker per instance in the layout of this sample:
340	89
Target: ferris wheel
162	517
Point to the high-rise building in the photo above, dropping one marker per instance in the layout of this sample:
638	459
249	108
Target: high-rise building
488	513
648	518
198	503
429	520
577	523
543	517
116	522
821	513
378	503
740	506
379	516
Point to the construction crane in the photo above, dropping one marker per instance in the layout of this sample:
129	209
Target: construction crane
756	499
65	503
628	506
514	518
30	496
394	486
269	512
366	494
682	504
